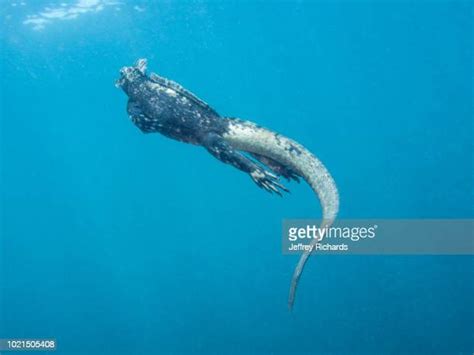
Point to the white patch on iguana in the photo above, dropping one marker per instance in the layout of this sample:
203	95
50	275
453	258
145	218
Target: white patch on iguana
170	92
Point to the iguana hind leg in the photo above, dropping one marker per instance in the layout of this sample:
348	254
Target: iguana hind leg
220	149
277	168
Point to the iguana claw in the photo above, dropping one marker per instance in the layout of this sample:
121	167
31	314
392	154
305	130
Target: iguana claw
268	181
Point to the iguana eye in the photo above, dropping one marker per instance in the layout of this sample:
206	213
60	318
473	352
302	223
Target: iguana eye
126	70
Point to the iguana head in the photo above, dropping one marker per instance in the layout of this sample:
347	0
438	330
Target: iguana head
130	74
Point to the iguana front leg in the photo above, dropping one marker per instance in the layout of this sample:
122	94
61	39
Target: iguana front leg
223	151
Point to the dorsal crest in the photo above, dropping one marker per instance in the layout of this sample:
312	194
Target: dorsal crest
179	89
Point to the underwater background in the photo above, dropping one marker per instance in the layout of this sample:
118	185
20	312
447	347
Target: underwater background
113	241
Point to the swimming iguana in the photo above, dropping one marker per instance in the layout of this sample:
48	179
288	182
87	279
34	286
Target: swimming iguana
160	105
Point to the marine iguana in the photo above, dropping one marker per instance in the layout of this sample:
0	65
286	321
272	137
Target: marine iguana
160	105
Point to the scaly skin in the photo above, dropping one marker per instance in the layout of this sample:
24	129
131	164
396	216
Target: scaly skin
160	105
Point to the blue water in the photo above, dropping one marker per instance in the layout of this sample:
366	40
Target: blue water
113	241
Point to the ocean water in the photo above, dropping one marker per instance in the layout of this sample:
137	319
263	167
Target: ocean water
117	242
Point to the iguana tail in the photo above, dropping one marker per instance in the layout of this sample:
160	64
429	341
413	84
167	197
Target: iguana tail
249	137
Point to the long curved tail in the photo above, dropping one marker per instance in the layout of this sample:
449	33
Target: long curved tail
249	137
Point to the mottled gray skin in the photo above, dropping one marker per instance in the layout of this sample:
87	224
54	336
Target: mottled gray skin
159	105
